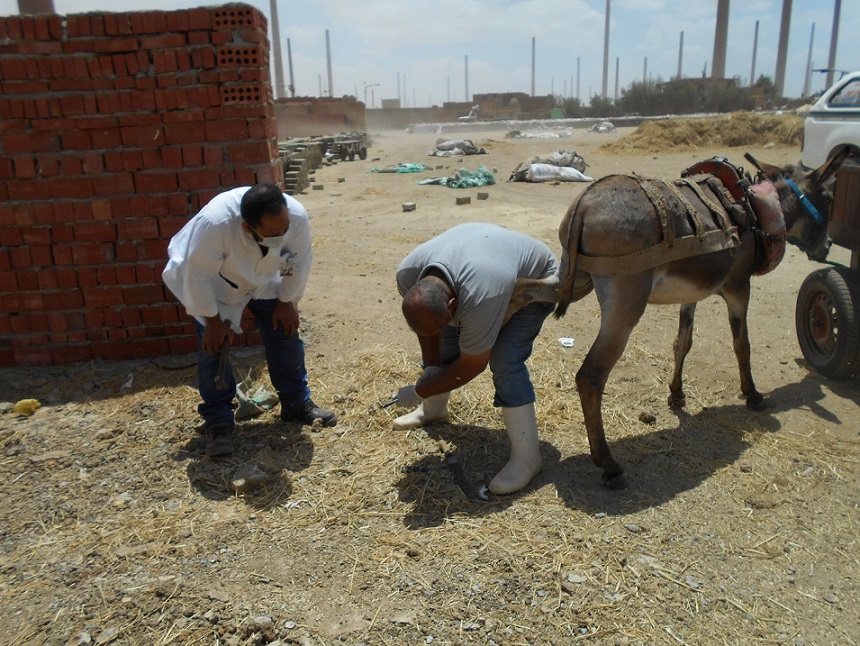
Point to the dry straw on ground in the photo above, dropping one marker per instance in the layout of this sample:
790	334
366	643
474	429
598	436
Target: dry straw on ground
732	130
737	527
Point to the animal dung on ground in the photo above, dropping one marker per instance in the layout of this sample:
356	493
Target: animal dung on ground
483	196
464	200
408	206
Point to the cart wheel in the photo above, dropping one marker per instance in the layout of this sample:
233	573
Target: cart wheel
351	154
362	153
828	323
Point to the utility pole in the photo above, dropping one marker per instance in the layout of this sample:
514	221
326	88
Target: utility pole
605	52
280	90
466	63
292	86
328	63
755	51
807	78
834	36
533	65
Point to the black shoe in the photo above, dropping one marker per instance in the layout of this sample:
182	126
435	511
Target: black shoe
308	413
219	441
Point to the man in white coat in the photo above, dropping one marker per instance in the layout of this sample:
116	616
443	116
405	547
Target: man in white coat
248	247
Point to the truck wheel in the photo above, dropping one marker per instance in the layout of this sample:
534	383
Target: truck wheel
828	323
351	154
362	153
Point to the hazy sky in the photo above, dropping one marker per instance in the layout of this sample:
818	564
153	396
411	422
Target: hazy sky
426	42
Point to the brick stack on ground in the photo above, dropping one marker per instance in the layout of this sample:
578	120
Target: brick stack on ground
115	128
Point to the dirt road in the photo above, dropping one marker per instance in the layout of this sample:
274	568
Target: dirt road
737	527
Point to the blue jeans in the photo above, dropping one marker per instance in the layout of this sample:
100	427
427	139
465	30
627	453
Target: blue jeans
285	358
508	357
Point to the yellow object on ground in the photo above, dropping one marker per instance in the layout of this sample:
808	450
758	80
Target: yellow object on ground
26	407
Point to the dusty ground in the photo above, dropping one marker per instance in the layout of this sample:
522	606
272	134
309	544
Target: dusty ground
737	527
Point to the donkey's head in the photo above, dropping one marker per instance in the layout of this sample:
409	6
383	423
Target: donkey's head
806	198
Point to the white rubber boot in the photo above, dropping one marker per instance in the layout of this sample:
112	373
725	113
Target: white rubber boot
432	409
525	461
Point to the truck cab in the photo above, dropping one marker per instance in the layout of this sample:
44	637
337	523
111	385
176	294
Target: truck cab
833	122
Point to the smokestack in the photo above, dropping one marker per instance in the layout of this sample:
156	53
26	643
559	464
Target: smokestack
280	90
328	64
606	52
290	61
782	51
533	65
466	63
755	50
680	55
808	76
615	96
834	36
721	36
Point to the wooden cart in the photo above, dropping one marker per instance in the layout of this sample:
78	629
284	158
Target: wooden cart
345	149
827	315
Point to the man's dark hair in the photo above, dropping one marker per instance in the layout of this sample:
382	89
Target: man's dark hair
259	201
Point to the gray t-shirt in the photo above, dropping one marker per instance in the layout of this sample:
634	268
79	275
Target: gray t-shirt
481	262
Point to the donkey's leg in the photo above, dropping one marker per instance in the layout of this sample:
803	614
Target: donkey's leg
683	343
622	303
737	302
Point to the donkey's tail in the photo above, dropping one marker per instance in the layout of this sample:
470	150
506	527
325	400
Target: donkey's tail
569	234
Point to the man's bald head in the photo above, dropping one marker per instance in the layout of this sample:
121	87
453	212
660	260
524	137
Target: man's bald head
426	306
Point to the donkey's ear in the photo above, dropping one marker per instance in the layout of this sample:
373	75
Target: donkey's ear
770	171
829	168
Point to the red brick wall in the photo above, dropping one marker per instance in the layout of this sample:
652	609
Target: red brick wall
114	129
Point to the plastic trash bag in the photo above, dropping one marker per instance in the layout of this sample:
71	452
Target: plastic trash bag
403	167
464	179
564	158
550	173
253	400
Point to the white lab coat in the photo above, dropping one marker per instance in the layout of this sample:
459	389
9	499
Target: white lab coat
215	267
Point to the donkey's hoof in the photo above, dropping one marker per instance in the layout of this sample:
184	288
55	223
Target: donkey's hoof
757	402
677	400
614	481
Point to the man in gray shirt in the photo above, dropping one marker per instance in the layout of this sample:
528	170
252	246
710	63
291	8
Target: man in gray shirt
456	290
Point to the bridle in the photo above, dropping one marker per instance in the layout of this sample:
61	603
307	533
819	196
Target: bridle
814	229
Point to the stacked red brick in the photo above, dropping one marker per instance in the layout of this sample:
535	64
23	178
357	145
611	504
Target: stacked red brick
114	129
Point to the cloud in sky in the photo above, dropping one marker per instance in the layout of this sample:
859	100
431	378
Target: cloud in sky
417	50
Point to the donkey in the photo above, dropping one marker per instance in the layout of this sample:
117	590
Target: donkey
636	241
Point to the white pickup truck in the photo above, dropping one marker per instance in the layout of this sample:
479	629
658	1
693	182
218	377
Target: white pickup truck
833	122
